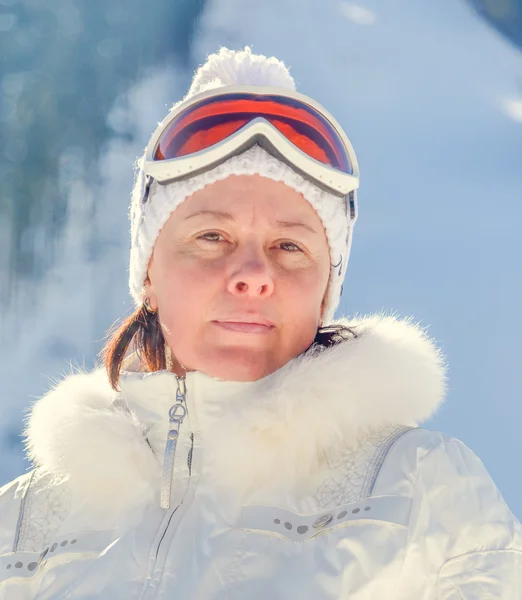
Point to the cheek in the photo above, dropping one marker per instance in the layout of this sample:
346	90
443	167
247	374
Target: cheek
175	273
312	281
184	293
303	295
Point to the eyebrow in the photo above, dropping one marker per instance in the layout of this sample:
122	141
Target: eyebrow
291	224
223	216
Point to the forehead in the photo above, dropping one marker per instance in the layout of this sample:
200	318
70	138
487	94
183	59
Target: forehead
244	194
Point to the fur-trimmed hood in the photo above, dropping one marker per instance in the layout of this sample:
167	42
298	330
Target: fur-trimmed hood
102	442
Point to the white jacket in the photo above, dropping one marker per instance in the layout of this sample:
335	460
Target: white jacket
313	483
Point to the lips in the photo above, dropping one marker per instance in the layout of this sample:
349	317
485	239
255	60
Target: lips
245	325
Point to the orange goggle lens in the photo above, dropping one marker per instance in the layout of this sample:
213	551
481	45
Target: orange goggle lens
213	119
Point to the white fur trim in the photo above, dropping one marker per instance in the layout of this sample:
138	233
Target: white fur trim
77	434
283	424
392	373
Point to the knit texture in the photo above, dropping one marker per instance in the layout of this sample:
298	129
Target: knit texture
225	68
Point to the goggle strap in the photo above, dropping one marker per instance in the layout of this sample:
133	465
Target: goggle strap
146	189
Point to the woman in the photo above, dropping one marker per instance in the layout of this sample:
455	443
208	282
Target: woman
240	442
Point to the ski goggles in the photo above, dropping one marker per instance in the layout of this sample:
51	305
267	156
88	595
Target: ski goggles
212	126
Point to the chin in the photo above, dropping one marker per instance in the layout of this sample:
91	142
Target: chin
242	365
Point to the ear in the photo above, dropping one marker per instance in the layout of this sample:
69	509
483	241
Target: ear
149	293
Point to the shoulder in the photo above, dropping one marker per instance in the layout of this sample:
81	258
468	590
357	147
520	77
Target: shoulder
85	442
423	459
32	509
55	418
419	444
12	497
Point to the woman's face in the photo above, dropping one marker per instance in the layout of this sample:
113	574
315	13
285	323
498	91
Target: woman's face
238	275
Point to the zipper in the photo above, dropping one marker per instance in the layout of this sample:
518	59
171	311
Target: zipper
190	454
159	550
177	413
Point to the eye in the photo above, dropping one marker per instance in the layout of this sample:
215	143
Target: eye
290	247
211	236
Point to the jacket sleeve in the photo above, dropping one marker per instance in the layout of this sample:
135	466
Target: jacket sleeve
469	541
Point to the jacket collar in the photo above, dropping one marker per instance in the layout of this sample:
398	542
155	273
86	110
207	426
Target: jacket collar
98	440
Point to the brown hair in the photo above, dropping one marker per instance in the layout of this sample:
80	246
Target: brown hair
142	329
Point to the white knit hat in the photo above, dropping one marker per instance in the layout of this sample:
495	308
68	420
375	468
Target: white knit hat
229	67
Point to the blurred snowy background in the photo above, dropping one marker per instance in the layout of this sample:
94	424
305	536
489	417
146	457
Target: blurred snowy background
430	93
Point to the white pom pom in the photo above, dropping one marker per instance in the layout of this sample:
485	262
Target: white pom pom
240	67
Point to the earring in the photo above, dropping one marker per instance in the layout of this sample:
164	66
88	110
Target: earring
148	307
168	357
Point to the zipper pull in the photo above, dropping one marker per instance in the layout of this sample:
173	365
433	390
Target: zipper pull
177	413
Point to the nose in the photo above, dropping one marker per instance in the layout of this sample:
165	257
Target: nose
251	275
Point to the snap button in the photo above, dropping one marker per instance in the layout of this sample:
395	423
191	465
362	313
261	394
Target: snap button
322	521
